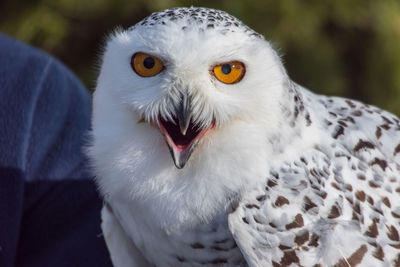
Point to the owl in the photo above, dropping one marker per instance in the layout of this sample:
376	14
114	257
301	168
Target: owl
207	154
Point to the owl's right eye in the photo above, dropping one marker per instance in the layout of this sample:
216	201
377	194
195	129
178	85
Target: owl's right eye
146	65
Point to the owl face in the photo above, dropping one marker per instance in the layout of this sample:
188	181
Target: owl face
187	76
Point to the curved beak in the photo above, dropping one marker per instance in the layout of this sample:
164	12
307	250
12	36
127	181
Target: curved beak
181	134
184	113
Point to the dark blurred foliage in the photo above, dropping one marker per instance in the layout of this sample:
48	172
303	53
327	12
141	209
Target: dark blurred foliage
349	48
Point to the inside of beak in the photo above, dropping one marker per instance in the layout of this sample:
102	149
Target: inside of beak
181	134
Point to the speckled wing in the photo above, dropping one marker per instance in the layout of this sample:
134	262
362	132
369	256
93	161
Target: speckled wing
334	204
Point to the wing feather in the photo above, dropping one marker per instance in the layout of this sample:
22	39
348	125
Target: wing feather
334	204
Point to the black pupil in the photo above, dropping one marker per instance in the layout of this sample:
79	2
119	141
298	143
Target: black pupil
226	69
149	62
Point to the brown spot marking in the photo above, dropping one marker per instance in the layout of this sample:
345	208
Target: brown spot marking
289	257
357	113
361	177
314	173
357	208
379	254
386	201
275	174
385	126
317	265
397	216
252	206
245	220
350	103
275	264
386	120
372	230
396	246
373	184
378	132
271	183
281	200
370	200
308	204
381	162
272	225
398	189
297	222
341	122
355	258
197	246
396	150
334	213
378	210
349	187
301	238
373	243
392	233
336	186
339	130
314	240
261	198
360	195
363	144
355	216
350	199
283	247
308	119
350	119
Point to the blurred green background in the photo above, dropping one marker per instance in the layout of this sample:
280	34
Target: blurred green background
349	48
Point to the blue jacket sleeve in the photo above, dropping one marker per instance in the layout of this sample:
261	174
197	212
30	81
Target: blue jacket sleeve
49	207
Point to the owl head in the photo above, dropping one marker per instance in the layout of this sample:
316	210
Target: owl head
182	75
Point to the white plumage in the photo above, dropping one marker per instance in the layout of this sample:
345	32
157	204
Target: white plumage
199	171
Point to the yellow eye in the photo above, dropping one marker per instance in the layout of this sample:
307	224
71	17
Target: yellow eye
230	72
146	65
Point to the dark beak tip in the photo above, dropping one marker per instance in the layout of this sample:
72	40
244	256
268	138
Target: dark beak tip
180	162
179	166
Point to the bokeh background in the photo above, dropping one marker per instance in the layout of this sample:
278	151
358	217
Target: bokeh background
349	48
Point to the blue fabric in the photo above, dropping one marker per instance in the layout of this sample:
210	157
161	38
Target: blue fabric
49	207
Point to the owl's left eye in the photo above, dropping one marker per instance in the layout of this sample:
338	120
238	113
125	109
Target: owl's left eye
146	65
229	72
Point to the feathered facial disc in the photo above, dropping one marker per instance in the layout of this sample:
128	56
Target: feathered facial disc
187	71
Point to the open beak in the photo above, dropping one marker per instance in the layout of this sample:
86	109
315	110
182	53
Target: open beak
182	135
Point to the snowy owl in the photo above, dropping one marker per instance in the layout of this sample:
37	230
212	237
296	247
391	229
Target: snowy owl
207	154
